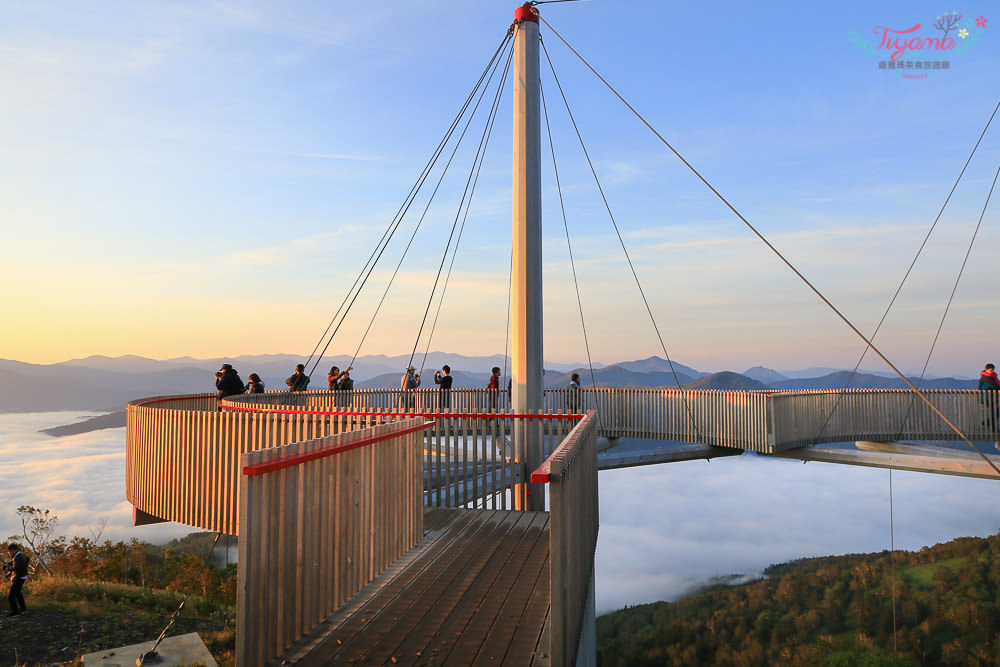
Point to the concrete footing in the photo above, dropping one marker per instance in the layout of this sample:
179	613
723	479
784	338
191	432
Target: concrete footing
180	650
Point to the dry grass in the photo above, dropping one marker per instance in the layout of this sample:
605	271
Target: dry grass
67	618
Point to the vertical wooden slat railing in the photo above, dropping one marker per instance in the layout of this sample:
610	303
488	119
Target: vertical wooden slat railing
182	454
804	418
182	451
571	473
319	519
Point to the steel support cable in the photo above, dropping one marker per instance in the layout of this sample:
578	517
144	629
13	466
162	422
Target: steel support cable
465	201
506	340
771	247
621	241
423	216
902	282
401	212
951	297
569	244
892	563
151	655
478	169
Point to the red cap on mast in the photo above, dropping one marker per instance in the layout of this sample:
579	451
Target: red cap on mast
526	13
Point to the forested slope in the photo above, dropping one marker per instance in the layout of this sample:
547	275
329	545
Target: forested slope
835	610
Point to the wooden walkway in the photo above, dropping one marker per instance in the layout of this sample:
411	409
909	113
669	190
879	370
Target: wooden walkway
474	591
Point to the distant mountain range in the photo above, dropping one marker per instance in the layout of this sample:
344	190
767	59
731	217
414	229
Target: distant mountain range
107	383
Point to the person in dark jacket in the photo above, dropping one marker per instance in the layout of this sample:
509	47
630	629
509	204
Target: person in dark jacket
573	393
494	387
335	376
444	379
17	570
298	381
228	381
989	385
254	386
346	383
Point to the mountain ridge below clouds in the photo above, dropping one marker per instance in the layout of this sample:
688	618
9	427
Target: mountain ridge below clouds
99	382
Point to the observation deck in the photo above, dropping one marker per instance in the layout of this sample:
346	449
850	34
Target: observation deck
328	493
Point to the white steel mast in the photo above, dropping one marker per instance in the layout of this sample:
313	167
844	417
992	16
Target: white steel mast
526	321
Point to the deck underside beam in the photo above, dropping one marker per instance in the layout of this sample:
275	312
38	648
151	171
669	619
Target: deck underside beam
901	456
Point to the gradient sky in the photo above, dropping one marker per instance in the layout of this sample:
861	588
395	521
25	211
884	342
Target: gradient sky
206	179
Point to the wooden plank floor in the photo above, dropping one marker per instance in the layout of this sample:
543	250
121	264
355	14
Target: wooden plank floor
474	591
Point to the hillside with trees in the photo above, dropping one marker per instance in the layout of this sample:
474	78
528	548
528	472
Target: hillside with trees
91	594
834	611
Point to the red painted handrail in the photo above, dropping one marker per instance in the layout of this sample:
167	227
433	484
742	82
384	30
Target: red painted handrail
543	473
426	415
167	399
271	466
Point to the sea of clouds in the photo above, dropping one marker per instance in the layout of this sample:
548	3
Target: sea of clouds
80	478
665	529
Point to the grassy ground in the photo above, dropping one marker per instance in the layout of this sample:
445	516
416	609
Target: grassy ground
67	618
923	575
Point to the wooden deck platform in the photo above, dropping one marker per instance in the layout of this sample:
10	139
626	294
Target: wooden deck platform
474	591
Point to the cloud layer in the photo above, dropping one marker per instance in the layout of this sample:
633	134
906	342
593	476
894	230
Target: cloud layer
667	528
664	529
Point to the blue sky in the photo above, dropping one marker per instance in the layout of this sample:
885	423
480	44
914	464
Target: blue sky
206	179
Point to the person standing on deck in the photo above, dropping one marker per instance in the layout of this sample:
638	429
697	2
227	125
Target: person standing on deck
989	385
573	393
334	378
444	379
298	381
494	387
346	383
408	383
254	386
228	381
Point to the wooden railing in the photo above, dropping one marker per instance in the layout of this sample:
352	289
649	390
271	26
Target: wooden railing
571	473
183	451
724	418
469	456
805	418
182	454
761	421
319	520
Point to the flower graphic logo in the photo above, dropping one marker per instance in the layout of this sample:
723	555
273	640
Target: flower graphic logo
918	49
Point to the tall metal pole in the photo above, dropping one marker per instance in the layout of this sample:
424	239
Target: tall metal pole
526	321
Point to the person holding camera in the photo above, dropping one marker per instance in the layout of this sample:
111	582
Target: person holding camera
408	383
254	386
228	381
335	377
298	381
17	571
443	379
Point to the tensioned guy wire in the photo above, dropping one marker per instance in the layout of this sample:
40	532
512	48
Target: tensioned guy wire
466	202
777	253
401	212
569	244
621	241
902	282
954	289
423	215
